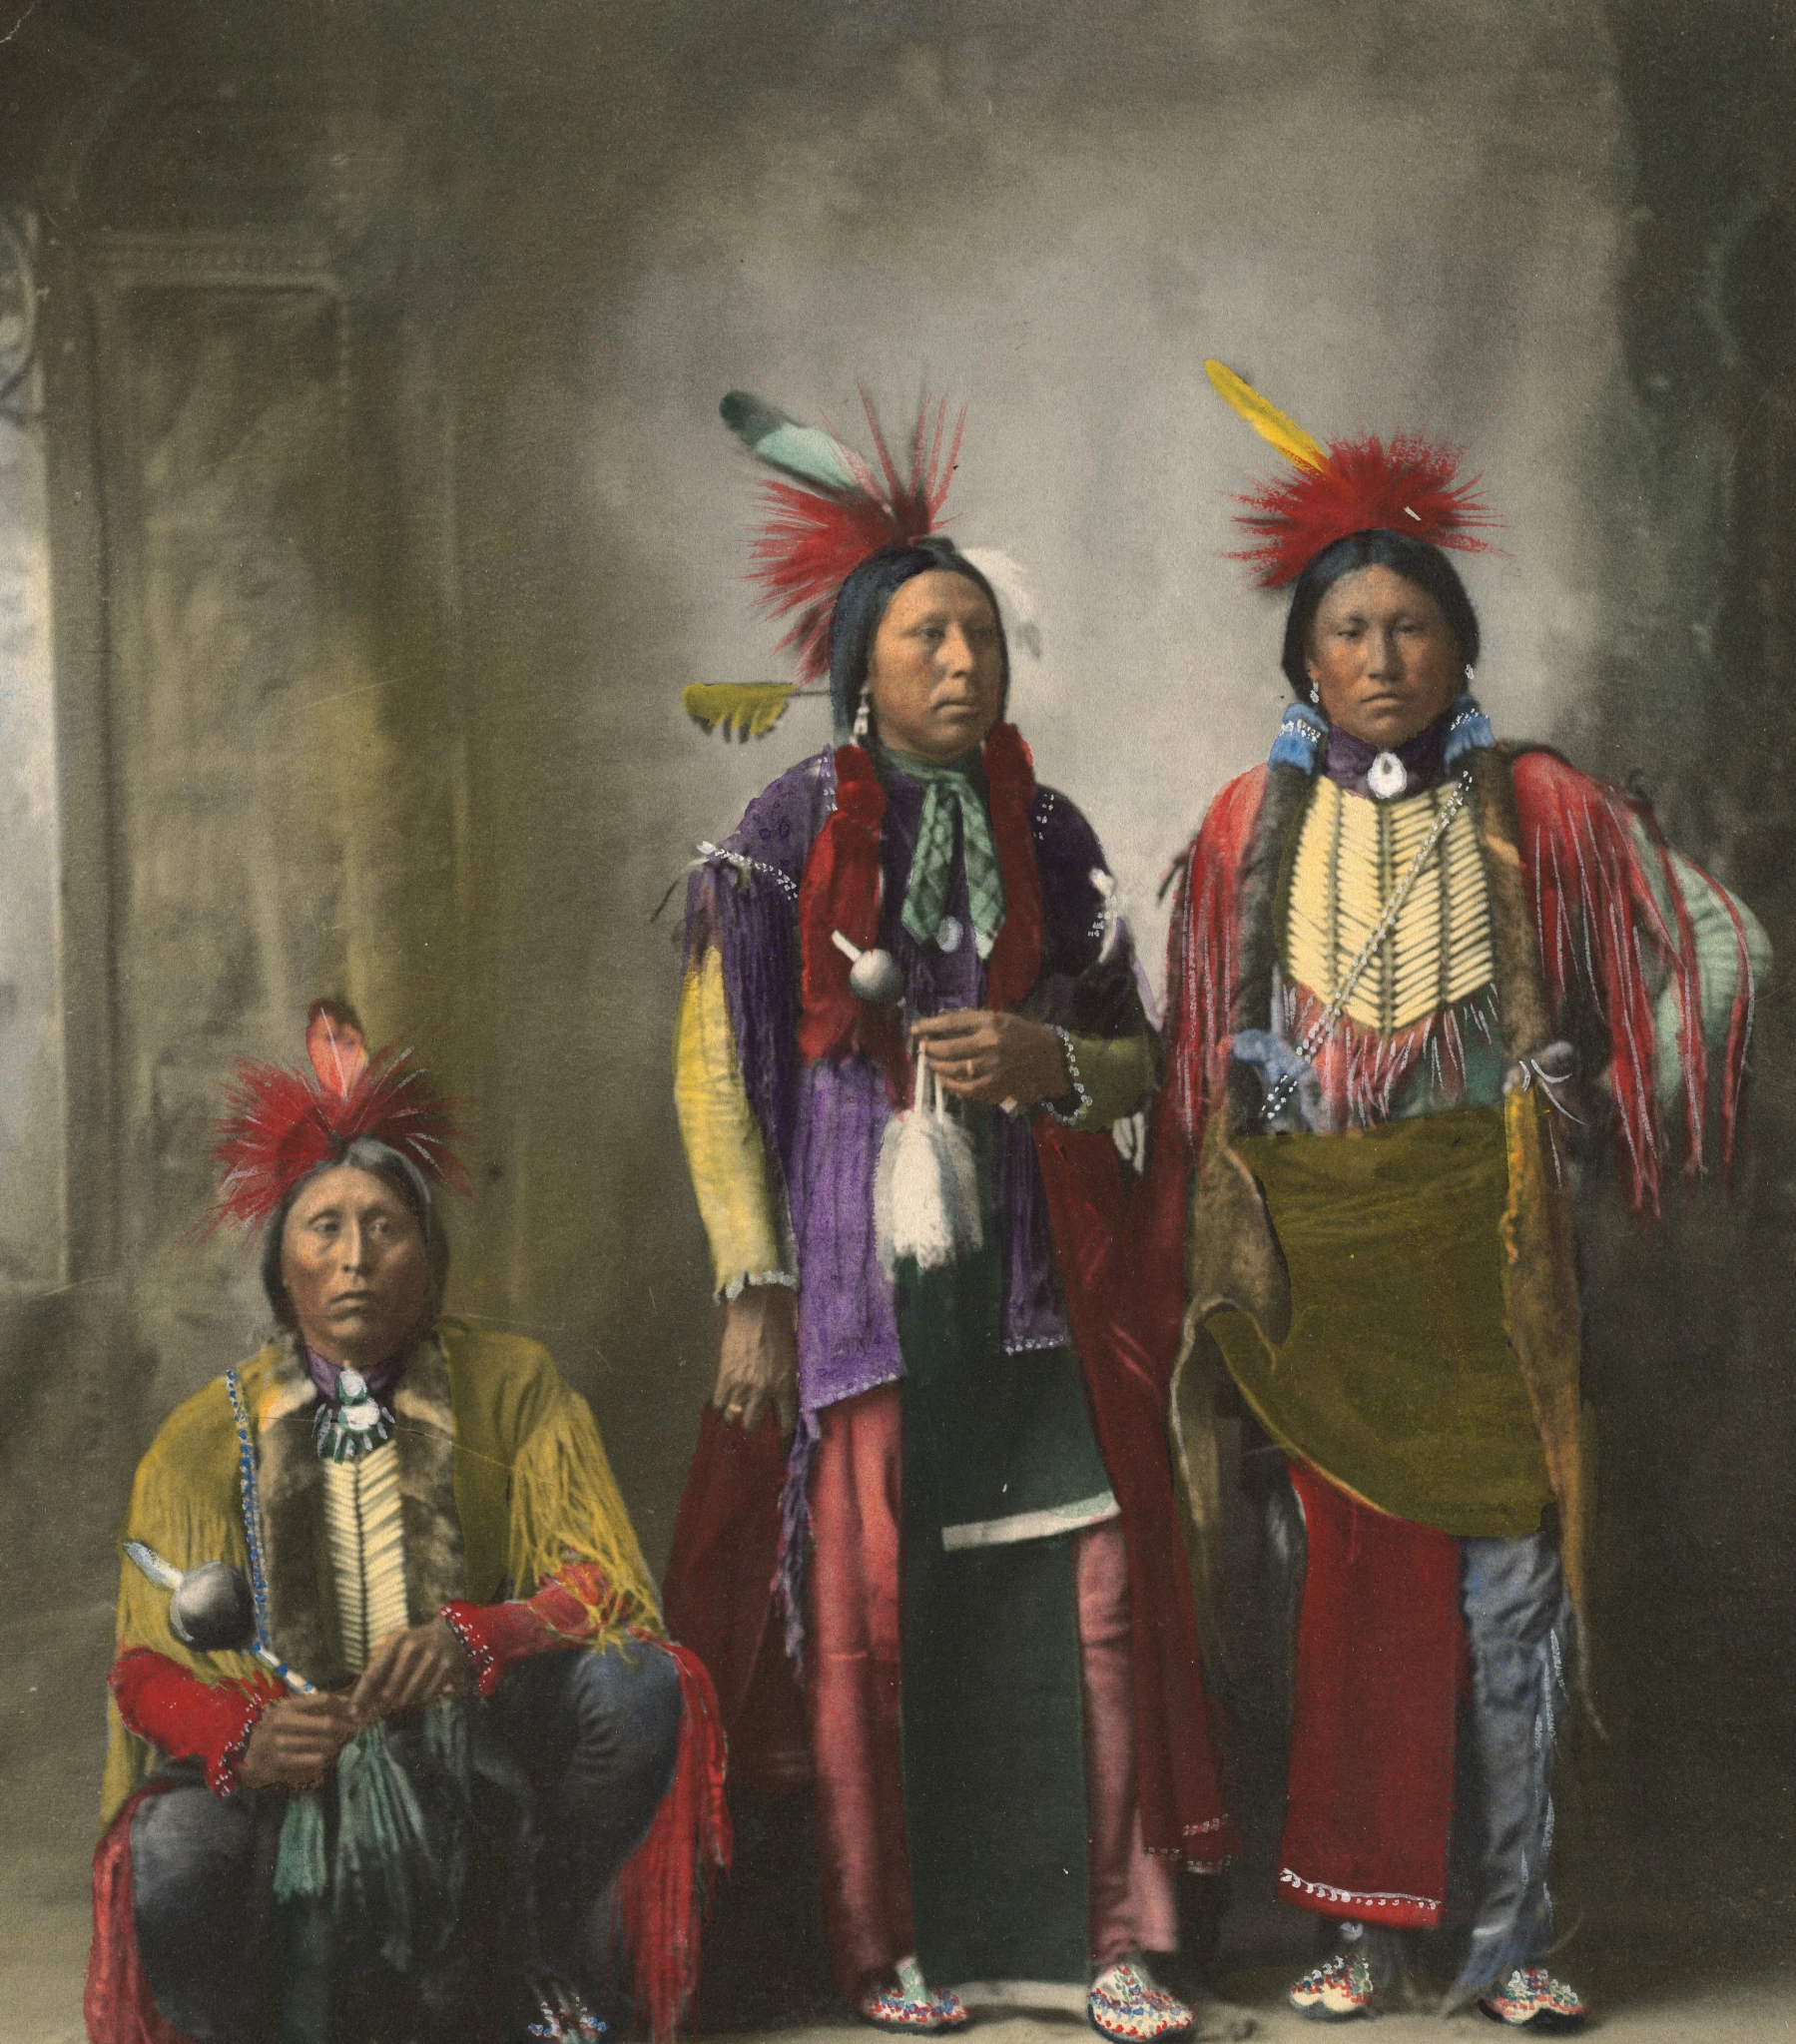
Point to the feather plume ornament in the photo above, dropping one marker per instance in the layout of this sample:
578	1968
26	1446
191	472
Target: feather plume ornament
831	508
740	709
1016	598
1273	425
279	1125
806	453
336	1045
1408	483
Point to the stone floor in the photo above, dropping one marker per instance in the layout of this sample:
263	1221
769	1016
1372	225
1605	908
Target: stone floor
1686	1851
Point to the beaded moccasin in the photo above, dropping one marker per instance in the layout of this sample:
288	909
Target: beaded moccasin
912	2004
1127	2004
1532	1999
1336	1991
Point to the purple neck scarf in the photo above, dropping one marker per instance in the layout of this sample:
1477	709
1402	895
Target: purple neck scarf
382	1380
1424	758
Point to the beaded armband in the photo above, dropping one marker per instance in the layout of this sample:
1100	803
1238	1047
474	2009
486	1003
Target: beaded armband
1073	1119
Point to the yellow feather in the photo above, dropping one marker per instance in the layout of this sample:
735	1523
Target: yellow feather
745	709
1265	419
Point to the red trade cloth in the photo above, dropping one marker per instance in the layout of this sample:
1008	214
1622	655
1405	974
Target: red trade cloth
1599	924
1381	1651
117	2002
717	1598
666	1883
1134	1906
840	890
190	1719
568	1609
1177	1741
853	1657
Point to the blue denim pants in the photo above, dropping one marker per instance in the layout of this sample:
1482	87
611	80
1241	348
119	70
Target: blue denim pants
588	1741
1517	1626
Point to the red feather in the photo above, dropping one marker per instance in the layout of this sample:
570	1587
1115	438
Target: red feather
1364	485
810	540
336	1044
279	1125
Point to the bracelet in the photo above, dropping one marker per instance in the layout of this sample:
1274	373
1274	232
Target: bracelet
1078	1117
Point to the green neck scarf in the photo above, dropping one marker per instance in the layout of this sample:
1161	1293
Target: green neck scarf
947	790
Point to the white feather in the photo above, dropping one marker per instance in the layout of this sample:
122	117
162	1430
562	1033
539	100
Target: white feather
1016	598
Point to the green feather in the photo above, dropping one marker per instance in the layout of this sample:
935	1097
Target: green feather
806	452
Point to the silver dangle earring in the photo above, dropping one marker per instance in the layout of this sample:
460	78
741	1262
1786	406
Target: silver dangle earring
1470	674
1315	695
864	717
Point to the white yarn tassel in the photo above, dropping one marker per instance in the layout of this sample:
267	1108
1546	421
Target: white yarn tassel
927	1189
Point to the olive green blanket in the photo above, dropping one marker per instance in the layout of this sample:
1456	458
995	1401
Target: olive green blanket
1396	1378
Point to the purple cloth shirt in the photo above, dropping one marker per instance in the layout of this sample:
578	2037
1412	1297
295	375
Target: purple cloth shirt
822	1122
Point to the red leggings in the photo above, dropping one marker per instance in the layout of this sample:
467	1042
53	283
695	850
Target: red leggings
851	1657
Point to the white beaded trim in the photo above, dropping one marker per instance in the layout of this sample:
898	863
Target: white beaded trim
737	1285
1350	1898
747	867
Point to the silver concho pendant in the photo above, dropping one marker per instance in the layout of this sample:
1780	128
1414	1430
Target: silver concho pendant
356	1407
1386	776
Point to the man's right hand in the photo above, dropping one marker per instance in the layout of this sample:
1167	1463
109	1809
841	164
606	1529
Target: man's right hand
297	1740
758	1357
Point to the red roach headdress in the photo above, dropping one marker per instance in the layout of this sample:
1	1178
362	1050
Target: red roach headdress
1409	485
836	508
280	1124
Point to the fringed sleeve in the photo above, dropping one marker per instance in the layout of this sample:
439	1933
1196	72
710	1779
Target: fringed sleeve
566	1510
742	907
576	1607
726	1153
1203	962
1617	922
1203	955
189	1719
1733	958
183	1506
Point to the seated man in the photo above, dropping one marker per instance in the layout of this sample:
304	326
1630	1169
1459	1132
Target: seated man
435	1826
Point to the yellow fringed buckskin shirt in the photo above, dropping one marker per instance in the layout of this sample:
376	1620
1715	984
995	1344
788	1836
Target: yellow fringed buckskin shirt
502	1477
